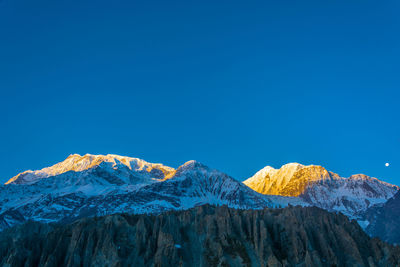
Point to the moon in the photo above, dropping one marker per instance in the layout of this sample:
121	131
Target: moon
387	164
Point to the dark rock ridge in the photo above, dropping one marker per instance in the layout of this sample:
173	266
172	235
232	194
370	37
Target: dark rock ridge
385	220
202	236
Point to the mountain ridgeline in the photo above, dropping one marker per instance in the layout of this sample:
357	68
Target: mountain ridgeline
98	185
202	236
320	187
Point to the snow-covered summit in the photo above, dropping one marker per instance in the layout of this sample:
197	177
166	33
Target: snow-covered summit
78	163
318	186
279	181
191	165
89	185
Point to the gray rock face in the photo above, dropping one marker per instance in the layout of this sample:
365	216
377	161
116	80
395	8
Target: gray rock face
202	236
385	220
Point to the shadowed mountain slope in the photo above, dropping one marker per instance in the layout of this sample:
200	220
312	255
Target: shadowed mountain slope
384	221
202	236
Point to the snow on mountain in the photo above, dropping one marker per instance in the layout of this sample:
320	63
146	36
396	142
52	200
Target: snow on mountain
94	185
270	181
91	185
123	169
88	175
317	186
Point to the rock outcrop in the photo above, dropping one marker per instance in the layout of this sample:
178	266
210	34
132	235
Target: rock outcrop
202	236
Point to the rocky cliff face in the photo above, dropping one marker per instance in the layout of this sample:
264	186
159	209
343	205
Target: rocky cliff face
202	236
384	221
317	186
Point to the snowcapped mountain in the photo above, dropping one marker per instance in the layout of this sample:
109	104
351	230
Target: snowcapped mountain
91	185
95	185
124	170
317	186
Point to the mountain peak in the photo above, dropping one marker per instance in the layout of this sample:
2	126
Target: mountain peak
292	165
78	163
268	180
361	176
191	165
318	186
291	179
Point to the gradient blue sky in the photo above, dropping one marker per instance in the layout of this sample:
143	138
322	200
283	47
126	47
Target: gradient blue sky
236	85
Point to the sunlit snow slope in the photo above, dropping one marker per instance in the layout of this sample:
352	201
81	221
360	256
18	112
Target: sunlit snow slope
91	185
317	186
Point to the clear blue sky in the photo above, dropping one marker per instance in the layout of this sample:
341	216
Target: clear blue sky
236	85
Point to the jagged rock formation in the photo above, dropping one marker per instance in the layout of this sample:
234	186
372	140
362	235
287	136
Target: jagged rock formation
95	185
384	221
317	186
202	236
